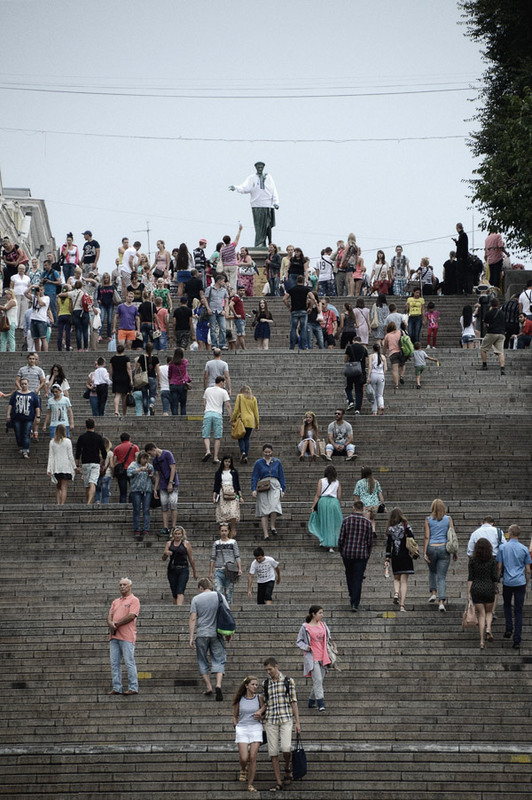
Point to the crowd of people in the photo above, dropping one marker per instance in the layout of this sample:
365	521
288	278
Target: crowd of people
132	308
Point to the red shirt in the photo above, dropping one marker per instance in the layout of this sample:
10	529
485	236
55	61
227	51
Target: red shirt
238	305
121	450
527	327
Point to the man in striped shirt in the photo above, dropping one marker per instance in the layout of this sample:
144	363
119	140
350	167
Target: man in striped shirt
354	545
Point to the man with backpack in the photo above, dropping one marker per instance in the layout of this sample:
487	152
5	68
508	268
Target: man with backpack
203	622
281	712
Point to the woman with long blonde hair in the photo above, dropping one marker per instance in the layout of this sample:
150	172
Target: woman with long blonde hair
308	446
247	408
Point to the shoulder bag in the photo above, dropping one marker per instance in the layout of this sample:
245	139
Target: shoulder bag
411	544
469	617
452	541
299	760
264	484
225	622
238	429
120	469
140	376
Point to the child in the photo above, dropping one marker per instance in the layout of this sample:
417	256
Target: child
161	314
101	382
268	572
420	359
433	319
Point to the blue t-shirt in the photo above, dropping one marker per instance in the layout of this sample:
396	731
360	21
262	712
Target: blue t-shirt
23	406
513	556
50	289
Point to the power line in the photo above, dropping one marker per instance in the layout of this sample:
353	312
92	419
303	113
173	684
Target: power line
250	140
181	96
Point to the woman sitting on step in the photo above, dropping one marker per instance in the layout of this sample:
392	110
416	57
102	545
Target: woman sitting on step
308	446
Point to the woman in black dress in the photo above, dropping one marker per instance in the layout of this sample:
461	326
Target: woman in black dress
120	372
482	585
396	552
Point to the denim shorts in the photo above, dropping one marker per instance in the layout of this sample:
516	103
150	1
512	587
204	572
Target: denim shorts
240	327
212	420
468	337
38	329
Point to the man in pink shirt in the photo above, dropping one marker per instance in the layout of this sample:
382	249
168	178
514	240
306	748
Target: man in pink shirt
494	250
122	623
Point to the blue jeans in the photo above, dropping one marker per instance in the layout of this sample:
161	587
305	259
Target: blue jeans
107	314
93	399
414	327
354	574
223	585
81	323
274	280
103	490
22	428
243	443
439	564
152	389
68	271
178	398
166	401
119	650
217	318
64	324
298	317
146	328
140	397
214	645
139	499
160	342
315	329
518	593
291	281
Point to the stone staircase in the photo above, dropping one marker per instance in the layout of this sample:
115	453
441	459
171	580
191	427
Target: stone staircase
417	712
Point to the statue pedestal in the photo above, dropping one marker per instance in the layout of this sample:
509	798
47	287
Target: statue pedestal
259	256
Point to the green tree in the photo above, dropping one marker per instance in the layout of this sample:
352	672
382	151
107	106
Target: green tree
502	186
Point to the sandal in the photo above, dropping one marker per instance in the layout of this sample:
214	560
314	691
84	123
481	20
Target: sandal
252	789
396	599
243	775
287	777
489	636
277	788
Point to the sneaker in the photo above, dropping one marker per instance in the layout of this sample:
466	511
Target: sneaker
418	386
441	607
507	634
152	411
311	703
484	365
350	406
356	411
326	457
164	533
432	598
218	690
401	381
354	607
349	458
503	371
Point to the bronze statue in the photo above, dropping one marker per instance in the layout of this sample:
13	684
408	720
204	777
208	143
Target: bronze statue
264	202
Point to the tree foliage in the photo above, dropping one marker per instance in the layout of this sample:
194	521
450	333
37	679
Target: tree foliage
502	186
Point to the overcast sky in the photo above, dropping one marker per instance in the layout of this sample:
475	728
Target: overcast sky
195	74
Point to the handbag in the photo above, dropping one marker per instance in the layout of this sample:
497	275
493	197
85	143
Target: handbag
5	325
140	378
353	369
469	617
119	469
238	429
370	393
130	400
228	494
299	760
231	571
225	622
331	652
320	447
452	541
374	317
263	485
116	298
411	545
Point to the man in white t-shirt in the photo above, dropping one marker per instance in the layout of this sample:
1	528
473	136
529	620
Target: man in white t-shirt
40	305
130	261
525	300
268	572
214	400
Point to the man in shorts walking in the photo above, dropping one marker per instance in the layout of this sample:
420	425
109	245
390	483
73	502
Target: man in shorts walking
215	398
127	321
89	449
281	712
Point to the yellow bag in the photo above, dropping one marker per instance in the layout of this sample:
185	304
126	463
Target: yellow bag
238	429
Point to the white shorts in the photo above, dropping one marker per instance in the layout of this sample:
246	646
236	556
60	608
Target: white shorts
169	501
248	733
91	474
